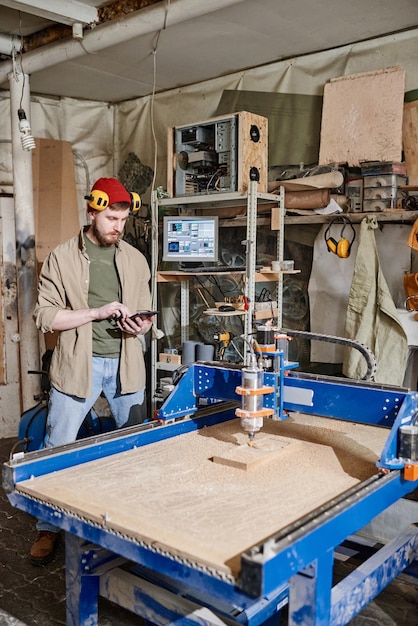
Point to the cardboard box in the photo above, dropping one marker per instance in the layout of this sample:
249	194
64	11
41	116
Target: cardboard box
54	195
168	357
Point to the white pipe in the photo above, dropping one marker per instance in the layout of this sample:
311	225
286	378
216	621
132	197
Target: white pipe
142	22
25	243
8	43
64	12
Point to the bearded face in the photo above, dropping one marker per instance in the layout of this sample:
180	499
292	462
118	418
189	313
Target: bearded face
107	226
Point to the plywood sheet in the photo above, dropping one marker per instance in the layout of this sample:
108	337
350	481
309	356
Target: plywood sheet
172	495
362	118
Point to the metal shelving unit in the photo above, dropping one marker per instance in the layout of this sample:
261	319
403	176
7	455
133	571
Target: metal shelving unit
252	199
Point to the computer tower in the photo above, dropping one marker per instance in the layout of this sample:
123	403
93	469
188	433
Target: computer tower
219	155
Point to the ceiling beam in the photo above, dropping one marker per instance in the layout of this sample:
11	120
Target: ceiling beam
148	20
61	11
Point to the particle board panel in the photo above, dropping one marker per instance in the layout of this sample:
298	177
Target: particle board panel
362	118
251	153
172	495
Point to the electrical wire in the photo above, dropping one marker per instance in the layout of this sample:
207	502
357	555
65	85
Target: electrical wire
233	288
21	60
154	86
218	171
250	346
202	287
78	156
86	169
154	209
232	344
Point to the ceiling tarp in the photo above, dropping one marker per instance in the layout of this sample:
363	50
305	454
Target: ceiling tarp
103	135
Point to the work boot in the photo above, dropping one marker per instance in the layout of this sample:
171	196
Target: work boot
43	549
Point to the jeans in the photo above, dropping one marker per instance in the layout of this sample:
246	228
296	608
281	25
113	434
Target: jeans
66	413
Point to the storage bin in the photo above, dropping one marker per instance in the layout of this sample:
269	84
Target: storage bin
385	180
383	204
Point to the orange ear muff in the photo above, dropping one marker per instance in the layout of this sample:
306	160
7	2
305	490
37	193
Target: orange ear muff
135	202
342	247
97	200
331	245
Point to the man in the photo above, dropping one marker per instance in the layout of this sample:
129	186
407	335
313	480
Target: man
89	287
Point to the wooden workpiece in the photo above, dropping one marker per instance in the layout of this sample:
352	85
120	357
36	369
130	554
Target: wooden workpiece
264	449
172	494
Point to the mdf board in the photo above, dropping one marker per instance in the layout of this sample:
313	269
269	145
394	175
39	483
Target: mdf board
218	155
362	118
410	140
54	195
201	496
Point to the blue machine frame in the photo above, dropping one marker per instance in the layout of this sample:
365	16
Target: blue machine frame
294	566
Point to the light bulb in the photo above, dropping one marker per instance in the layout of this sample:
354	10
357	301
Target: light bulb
28	142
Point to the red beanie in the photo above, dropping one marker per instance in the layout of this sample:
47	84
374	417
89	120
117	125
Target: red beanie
114	189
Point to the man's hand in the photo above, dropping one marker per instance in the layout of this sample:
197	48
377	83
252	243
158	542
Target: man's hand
66	319
124	319
113	310
136	326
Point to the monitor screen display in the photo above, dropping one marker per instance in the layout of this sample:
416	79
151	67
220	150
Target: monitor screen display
190	238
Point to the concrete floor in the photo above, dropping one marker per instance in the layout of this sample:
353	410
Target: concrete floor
35	596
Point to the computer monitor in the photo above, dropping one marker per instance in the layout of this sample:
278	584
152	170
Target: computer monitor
187	238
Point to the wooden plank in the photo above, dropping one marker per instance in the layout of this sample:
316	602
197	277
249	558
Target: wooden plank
265	449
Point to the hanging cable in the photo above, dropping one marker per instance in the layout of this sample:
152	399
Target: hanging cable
28	142
154	209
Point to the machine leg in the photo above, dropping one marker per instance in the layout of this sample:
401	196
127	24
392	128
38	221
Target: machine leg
359	588
82	588
310	593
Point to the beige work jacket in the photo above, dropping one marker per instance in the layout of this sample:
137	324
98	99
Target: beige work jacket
64	283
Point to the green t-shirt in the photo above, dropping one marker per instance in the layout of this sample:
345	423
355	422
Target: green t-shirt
104	287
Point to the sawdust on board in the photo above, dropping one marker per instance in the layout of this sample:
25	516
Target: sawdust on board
171	494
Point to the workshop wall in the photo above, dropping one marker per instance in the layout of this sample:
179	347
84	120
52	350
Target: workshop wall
143	127
143	123
104	136
88	126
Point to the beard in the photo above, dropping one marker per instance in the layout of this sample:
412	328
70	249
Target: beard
104	240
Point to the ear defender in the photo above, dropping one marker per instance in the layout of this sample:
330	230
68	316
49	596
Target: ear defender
99	200
135	202
331	245
342	247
